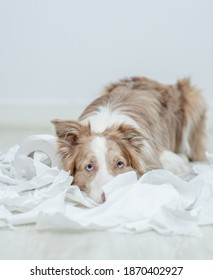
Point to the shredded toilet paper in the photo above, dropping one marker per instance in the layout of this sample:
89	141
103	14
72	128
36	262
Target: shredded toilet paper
43	195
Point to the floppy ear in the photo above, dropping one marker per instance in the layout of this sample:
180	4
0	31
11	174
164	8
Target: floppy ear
69	133
68	130
146	150
132	136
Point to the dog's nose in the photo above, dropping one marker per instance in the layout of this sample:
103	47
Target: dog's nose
103	197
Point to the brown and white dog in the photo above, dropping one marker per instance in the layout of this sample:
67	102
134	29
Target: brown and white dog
137	124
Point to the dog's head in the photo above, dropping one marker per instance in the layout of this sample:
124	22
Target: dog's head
95	158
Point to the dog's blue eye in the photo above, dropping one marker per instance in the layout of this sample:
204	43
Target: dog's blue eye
120	164
89	167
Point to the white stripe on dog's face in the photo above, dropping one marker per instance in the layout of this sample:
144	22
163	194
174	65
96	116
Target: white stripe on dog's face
99	149
97	159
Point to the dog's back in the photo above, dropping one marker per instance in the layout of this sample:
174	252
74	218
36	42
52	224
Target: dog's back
172	116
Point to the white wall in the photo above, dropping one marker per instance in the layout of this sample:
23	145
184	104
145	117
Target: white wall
69	49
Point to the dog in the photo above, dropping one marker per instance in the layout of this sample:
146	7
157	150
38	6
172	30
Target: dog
136	124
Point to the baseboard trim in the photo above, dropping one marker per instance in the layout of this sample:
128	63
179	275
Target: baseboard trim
23	114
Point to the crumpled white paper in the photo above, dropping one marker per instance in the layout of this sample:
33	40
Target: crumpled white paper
158	201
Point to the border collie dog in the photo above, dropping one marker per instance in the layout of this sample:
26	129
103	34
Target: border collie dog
136	124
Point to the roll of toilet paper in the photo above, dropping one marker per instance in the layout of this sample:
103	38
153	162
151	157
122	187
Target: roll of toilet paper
43	143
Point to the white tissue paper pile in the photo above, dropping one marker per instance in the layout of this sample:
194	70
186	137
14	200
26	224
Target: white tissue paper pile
159	201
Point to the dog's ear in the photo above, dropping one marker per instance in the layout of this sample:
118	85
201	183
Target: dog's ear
69	134
131	135
70	130
144	149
